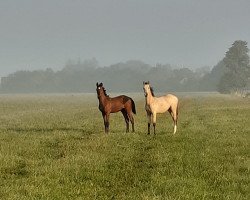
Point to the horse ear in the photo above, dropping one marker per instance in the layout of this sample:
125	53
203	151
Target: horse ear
101	84
96	84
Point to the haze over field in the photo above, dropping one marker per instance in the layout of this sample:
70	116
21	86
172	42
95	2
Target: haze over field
45	34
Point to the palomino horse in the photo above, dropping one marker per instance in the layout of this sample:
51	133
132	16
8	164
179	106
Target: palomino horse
109	105
161	104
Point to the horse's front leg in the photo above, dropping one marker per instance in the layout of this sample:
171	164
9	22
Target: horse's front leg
131	118
106	121
154	120
149	121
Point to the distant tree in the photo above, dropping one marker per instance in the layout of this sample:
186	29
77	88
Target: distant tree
78	76
237	63
210	80
202	71
226	83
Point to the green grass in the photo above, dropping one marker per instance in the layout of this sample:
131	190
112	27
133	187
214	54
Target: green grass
54	147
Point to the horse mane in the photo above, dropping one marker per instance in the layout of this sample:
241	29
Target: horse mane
152	91
105	93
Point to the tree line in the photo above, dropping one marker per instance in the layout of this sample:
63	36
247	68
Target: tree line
231	74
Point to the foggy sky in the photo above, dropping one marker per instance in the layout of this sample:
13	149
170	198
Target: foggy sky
194	33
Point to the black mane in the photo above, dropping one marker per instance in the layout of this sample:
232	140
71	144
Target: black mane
152	91
104	90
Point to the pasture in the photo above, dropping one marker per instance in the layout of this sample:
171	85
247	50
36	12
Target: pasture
54	147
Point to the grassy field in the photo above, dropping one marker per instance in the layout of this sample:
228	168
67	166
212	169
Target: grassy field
54	147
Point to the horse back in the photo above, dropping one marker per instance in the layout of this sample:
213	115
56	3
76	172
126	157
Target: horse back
172	99
122	99
120	102
163	103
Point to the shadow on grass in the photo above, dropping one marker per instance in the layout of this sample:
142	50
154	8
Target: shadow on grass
44	130
19	168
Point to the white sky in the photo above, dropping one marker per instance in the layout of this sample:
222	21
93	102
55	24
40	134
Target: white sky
39	34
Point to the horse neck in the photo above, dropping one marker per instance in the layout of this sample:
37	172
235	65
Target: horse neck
102	99
149	98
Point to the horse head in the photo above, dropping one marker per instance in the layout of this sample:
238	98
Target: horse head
146	88
100	90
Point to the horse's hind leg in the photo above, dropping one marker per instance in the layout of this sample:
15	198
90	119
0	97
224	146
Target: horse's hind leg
131	118
125	115
175	124
174	117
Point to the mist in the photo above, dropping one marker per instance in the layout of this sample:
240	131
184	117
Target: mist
45	34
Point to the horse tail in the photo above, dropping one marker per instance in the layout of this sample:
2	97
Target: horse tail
133	106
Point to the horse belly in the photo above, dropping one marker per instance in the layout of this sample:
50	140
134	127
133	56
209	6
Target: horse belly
116	107
162	108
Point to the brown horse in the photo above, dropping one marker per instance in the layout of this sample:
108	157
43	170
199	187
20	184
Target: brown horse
161	104
109	105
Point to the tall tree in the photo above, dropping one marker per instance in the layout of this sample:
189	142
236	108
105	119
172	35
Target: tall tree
237	62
